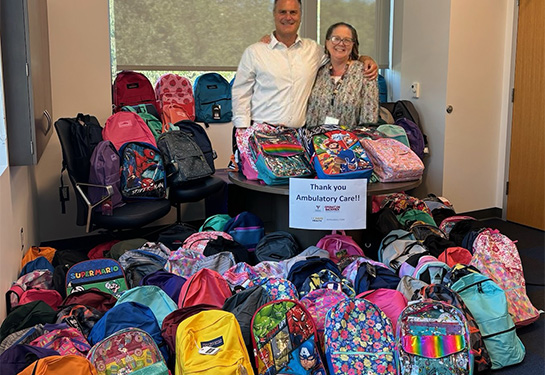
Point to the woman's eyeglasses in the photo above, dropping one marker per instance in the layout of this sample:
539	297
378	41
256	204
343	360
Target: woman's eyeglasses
338	40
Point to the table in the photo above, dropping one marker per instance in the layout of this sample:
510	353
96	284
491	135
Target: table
271	204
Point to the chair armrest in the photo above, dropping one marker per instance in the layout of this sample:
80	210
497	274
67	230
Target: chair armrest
91	206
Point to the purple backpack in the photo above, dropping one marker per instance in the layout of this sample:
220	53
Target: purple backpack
104	170
416	138
16	358
169	282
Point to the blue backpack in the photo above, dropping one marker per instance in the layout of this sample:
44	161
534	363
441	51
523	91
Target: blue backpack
246	228
143	173
358	335
153	297
212	98
40	263
128	315
301	270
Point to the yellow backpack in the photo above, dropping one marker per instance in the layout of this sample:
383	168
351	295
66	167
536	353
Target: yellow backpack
211	342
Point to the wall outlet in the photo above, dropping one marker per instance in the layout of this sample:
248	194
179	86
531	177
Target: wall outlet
415	90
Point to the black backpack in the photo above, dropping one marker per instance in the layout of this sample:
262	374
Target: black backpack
276	246
243	305
184	159
198	134
85	135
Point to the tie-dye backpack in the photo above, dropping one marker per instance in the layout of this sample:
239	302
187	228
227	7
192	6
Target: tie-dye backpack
433	338
359	339
285	340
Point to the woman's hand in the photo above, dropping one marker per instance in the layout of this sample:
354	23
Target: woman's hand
265	39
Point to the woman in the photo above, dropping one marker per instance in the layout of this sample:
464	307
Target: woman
341	94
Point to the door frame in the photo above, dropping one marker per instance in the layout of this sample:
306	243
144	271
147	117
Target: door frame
510	107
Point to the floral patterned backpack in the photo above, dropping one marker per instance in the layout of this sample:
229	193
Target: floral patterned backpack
359	339
130	350
433	338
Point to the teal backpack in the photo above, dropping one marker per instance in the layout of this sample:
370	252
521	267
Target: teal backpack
215	223
155	125
488	304
153	297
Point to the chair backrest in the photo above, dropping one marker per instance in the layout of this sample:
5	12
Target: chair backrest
70	162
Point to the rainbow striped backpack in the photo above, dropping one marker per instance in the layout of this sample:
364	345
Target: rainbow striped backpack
432	337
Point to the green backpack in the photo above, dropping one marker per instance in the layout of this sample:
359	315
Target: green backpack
27	315
151	121
215	223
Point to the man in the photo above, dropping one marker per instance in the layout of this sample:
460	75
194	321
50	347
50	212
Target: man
274	80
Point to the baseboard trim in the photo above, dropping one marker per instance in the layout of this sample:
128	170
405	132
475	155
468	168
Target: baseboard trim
487	213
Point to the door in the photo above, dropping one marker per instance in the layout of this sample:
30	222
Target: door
526	192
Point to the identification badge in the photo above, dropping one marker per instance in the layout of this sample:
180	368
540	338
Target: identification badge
331	120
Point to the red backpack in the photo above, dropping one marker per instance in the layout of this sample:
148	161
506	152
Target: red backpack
206	286
132	88
123	127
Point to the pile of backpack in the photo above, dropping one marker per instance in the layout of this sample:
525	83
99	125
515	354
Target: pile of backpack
134	159
173	98
392	150
439	294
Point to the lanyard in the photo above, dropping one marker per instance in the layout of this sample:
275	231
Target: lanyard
338	83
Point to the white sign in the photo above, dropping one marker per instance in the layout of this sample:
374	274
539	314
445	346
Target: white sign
328	204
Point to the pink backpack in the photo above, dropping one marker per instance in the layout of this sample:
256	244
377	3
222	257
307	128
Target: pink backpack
339	245
66	341
318	302
198	241
182	262
205	286
497	256
391	301
37	279
448	223
392	160
175	93
123	127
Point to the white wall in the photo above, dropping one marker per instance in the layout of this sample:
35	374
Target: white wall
460	52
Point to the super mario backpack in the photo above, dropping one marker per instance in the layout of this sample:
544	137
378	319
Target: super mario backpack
285	339
104	274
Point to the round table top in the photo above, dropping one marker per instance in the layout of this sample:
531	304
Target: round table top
375	188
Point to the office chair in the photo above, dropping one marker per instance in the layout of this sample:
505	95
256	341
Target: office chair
193	192
132	215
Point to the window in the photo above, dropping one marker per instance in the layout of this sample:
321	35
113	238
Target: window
193	36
